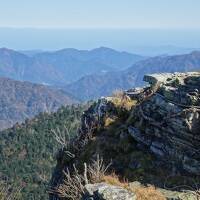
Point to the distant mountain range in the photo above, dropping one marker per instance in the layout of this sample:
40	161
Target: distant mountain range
24	100
90	74
20	100
63	66
94	86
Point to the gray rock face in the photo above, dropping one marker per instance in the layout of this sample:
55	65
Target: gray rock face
94	116
168	120
155	78
166	77
103	191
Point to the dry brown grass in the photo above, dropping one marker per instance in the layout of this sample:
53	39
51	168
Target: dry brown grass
109	121
148	193
120	99
73	184
142	193
124	102
113	179
97	170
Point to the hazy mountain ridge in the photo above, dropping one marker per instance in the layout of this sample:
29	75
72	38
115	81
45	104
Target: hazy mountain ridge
177	63
91	74
63	66
94	86
22	100
102	85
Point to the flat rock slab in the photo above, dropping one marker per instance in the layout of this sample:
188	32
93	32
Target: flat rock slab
153	79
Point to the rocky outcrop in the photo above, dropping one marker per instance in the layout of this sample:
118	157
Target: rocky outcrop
151	134
168	120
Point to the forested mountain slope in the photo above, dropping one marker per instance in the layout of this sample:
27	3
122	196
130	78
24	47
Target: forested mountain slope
27	151
22	100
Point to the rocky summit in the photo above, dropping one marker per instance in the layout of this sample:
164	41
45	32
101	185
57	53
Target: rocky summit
150	135
167	121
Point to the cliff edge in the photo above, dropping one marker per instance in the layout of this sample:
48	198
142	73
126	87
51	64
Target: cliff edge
150	135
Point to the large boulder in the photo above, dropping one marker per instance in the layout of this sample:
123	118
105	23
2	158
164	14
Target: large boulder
104	191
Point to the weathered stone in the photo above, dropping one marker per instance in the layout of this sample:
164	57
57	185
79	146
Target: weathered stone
157	78
174	195
133	93
168	122
191	165
167	193
135	133
104	191
157	148
171	77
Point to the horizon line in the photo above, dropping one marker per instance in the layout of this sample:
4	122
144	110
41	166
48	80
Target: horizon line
100	28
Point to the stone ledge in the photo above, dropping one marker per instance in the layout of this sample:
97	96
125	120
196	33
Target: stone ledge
153	79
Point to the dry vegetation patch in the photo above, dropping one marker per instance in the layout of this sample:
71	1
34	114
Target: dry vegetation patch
142	193
148	193
120	99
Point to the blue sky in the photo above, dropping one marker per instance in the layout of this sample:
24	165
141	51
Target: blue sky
140	26
164	14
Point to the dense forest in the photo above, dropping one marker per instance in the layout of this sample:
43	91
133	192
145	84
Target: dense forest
27	151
